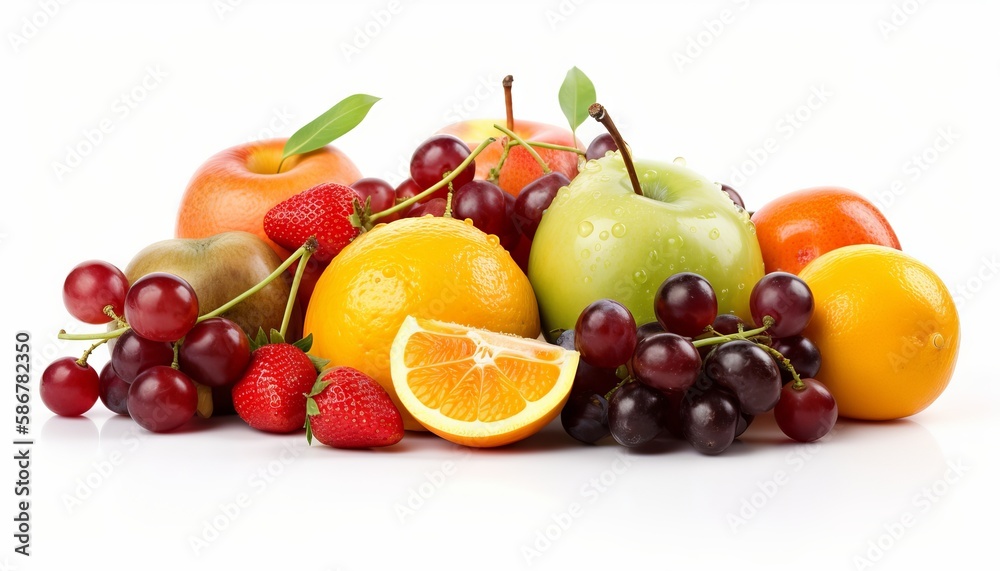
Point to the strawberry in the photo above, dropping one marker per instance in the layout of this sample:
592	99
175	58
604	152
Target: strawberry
323	211
268	396
348	409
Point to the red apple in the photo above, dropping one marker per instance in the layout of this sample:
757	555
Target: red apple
235	188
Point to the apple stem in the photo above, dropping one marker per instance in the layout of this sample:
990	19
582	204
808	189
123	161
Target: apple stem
508	100
82	361
281	162
599	113
310	247
534	154
437	186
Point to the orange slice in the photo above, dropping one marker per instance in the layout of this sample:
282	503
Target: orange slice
477	387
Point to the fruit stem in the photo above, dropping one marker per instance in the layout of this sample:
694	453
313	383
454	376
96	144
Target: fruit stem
552	146
109	310
508	100
90	336
620	384
310	247
527	147
718	338
281	162
494	175
599	113
176	363
82	361
437	186
797	383
447	201
277	272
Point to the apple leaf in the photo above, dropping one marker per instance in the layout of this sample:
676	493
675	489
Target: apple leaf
326	128
576	94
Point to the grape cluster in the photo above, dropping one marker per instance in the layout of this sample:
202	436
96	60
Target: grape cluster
513	220
694	373
162	352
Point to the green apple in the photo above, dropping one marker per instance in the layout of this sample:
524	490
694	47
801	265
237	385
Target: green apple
600	239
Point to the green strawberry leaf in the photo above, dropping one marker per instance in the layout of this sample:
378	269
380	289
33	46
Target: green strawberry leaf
312	409
259	340
305	343
277	337
318	387
576	95
319	362
309	429
336	121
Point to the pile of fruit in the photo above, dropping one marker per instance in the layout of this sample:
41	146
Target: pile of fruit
514	277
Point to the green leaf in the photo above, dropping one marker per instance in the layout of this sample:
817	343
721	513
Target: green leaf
576	94
309	430
318	362
305	343
277	337
259	341
326	128
312	409
318	387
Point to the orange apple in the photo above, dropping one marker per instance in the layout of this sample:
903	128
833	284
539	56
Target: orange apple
235	188
520	167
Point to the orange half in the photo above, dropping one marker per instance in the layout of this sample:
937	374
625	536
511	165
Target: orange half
476	387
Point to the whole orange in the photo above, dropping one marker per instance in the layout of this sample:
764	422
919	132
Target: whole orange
887	329
429	267
798	227
235	188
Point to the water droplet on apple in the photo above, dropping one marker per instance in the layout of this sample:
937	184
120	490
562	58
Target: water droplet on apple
605	178
389	272
671	267
724	291
714	234
741	286
593	267
585	228
604	235
649	174
653	255
640	277
586	279
593	166
607	264
680	161
618	230
585	254
619	211
597	247
693	229
597	194
682	259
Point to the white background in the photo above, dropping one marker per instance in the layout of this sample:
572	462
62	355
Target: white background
229	73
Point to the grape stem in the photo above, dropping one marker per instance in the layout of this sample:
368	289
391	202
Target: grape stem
551	146
82	361
91	336
310	247
109	310
534	154
718	338
600	114
434	188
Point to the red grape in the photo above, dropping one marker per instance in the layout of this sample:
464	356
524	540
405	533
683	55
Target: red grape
600	146
113	391
409	189
134	354
667	362
802	353
749	372
533	199
605	334
647	329
586	418
215	352
482	202
786	298
162	399
637	414
709	419
685	304
381	193
90	287
67	388
806	414
434	207
437	156
161	307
